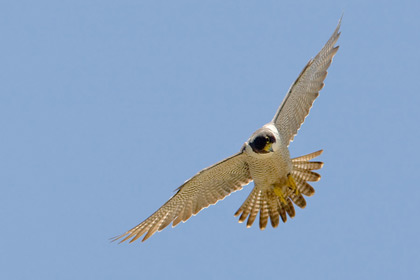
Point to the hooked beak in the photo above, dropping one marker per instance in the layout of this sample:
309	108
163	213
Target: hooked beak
268	147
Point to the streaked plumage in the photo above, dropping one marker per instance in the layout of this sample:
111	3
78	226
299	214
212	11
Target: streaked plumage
279	181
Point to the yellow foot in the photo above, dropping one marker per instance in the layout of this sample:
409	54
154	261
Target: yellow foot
279	193
292	184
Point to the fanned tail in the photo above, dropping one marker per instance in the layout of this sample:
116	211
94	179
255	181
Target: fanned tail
273	203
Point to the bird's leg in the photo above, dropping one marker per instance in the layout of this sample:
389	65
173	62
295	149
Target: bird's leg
292	184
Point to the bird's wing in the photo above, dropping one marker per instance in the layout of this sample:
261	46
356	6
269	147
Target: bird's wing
303	92
207	187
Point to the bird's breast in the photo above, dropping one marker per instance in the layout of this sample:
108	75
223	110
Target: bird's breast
270	169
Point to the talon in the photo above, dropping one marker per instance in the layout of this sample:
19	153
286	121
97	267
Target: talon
292	183
279	193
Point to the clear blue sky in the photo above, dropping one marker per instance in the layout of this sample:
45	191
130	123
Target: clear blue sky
106	107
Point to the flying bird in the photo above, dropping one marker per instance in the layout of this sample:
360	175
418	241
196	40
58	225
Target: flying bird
279	181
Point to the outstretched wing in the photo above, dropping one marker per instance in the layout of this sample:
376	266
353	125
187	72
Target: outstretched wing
303	92
207	187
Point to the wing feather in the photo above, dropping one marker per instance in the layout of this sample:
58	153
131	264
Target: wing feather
303	92
205	188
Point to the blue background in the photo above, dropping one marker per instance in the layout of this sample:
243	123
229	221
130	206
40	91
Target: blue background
107	106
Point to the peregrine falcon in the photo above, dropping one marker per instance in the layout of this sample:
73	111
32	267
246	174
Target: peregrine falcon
279	181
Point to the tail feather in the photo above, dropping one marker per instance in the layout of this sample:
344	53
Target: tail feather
263	214
282	212
306	175
308	165
298	199
290	209
304	187
307	157
255	209
247	206
273	209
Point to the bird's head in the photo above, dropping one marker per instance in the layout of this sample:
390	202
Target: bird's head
262	142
